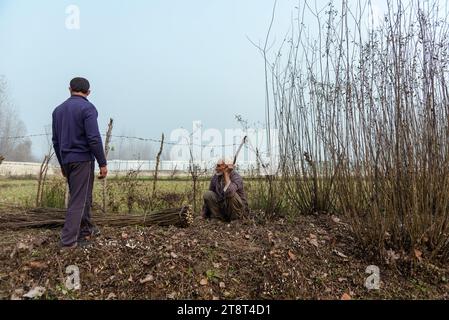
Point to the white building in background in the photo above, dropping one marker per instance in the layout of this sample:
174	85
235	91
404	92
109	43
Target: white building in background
121	167
167	167
22	169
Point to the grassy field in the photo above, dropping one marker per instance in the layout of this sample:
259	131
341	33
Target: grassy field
18	191
134	194
123	194
22	192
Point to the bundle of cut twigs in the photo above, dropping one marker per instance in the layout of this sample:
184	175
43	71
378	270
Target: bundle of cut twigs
52	218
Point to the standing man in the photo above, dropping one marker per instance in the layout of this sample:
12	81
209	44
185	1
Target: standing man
226	198
77	143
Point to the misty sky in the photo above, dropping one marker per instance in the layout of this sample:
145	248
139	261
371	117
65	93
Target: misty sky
153	65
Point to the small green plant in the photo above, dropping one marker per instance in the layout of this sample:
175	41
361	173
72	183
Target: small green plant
54	194
210	274
69	294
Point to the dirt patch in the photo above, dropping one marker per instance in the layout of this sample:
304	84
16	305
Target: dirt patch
311	257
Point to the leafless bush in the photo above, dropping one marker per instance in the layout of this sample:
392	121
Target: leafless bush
53	193
129	186
362	113
42	177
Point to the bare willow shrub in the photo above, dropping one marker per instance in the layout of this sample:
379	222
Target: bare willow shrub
53	193
396	153
362	111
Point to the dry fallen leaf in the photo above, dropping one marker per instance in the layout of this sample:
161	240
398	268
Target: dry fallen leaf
392	256
314	242
17	295
418	255
38	265
345	296
204	282
23	246
291	255
111	296
13	253
173	255
313	239
36	292
148	278
340	254
171	295
222	285
335	219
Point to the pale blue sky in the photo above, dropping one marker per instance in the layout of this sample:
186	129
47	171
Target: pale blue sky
153	65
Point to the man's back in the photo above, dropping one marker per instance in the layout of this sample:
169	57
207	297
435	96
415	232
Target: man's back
75	131
77	142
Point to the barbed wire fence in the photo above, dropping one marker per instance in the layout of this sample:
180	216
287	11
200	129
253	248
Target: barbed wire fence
117	139
194	168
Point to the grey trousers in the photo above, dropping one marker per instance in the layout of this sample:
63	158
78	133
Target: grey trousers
80	177
229	209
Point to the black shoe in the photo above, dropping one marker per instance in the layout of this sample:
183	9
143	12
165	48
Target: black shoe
83	243
67	248
95	232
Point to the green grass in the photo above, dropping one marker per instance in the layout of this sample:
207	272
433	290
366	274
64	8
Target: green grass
23	191
170	192
18	192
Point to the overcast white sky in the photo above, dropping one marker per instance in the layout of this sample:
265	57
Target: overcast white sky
154	66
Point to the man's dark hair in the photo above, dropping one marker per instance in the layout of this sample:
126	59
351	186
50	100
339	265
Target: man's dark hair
80	85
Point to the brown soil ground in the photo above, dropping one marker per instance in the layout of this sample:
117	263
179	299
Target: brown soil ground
312	257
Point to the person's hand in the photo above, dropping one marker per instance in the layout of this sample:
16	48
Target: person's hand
103	172
227	170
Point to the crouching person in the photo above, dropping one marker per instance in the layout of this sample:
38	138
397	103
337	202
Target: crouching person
226	198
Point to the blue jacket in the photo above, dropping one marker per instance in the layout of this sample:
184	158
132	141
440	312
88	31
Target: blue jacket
76	137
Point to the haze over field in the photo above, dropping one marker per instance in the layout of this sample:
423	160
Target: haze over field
154	66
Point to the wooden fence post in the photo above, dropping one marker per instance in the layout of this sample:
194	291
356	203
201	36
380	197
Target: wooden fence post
158	160
106	152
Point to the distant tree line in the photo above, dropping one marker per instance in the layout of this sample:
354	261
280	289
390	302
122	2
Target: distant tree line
11	127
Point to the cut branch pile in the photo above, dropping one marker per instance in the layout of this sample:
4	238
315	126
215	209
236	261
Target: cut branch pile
52	218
